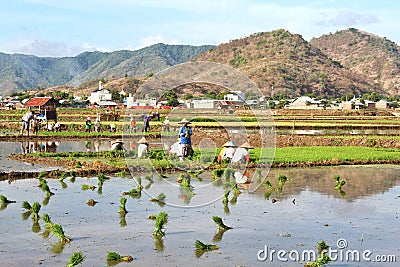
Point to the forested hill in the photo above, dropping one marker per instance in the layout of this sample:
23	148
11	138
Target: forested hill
19	72
375	57
290	65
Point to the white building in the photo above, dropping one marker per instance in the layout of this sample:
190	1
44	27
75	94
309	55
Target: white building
235	96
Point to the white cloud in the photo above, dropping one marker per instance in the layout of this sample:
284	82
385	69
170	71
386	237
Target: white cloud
147	41
347	18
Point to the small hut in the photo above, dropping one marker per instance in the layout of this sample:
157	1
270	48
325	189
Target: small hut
46	105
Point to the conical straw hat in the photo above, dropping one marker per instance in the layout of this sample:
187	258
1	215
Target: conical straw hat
229	143
246	145
183	121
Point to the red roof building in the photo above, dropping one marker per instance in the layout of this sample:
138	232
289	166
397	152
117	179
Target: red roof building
41	102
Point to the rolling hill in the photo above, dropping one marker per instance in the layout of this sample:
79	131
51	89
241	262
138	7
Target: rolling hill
19	72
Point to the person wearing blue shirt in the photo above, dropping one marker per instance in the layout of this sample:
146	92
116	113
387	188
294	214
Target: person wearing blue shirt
185	133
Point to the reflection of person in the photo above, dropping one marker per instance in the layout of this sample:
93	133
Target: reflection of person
242	154
96	145
176	149
87	145
88	124
117	145
97	125
227	152
166	124
185	133
143	148
26	120
132	126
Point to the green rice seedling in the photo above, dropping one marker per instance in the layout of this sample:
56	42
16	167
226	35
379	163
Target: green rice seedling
220	223
35	210
269	186
78	165
113	256
282	179
225	200
207	247
26	205
122	208
75	259
58	231
322	246
101	177
339	183
91	202
63	176
160	198
44	186
5	200
321	261
236	190
87	187
41	175
323	256
161	220
47	220
217	173
133	193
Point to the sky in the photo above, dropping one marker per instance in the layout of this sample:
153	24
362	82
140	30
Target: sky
54	28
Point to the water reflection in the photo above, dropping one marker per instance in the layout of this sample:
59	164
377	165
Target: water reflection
361	181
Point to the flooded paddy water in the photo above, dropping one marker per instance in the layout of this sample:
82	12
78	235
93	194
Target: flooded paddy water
365	216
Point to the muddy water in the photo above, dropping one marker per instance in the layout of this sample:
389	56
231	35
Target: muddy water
6	148
307	210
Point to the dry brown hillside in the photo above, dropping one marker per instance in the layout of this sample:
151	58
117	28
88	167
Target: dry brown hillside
365	53
289	64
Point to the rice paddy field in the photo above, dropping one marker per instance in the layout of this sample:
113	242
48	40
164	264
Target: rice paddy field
337	182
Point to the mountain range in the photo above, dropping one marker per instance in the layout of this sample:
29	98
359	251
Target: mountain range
279	62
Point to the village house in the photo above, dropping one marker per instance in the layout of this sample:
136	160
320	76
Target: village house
100	95
382	104
304	102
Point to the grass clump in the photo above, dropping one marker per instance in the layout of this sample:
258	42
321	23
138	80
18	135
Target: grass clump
75	259
87	187
323	258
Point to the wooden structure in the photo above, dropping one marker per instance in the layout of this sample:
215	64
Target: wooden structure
47	107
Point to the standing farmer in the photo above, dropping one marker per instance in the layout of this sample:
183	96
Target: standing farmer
185	133
26	120
88	124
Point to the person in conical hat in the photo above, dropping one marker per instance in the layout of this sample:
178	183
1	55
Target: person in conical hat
117	145
185	133
143	148
242	154
227	151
